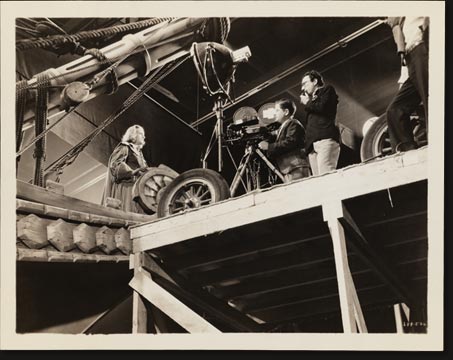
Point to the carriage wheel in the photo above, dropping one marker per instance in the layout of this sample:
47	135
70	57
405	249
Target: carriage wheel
149	186
192	189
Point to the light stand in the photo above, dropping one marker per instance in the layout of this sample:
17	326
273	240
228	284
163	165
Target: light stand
215	65
217	138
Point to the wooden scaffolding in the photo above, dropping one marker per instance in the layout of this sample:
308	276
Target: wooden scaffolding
331	245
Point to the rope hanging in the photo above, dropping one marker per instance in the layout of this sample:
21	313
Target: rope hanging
69	157
21	98
42	99
110	71
58	40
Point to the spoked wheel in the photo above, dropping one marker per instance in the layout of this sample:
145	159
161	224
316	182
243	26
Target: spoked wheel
192	189
149	186
376	142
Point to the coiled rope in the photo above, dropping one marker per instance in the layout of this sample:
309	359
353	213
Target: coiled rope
58	40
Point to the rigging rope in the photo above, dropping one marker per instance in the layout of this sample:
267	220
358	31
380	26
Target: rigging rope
42	98
22	87
44	133
58	40
103	62
224	26
21	98
69	157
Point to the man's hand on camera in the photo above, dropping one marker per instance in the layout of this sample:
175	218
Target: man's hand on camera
263	145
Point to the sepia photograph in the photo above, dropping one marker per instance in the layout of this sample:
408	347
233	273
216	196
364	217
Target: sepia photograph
222	175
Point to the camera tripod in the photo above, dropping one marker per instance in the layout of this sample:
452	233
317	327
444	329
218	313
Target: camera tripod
250	166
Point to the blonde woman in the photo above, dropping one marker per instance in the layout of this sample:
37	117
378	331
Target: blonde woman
126	164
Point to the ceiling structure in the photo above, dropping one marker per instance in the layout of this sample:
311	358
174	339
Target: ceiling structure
364	72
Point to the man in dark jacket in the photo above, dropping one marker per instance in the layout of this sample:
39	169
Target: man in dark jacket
287	149
322	143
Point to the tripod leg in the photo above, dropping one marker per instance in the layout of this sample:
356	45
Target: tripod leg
240	173
209	149
270	165
235	166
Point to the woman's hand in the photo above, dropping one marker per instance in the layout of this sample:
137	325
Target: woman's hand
140	171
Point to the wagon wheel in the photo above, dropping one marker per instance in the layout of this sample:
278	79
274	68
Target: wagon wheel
377	141
148	187
192	189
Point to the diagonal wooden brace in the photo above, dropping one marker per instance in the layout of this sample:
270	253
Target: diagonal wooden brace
171	306
367	254
196	297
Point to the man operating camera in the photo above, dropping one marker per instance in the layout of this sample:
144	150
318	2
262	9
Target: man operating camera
287	148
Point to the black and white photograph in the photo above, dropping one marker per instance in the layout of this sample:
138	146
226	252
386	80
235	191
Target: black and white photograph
222	175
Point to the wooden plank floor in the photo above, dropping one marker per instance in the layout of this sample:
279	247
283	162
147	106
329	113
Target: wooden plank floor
281	268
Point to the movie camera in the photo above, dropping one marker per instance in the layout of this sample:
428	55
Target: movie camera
247	129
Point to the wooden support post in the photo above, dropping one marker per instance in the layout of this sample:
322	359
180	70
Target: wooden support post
139	312
175	309
358	314
349	302
401	315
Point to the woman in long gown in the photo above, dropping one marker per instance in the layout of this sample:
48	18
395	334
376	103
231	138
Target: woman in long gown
126	164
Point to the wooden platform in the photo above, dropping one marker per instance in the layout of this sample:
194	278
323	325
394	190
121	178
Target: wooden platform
284	256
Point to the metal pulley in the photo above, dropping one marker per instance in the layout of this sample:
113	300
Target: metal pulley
74	93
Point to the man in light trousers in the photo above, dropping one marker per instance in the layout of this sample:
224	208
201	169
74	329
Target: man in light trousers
322	142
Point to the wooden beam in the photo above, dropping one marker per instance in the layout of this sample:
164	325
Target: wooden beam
48	211
88	184
401	316
370	256
241	252
322	305
358	313
44	255
392	171
199	298
139	311
170	305
342	267
37	194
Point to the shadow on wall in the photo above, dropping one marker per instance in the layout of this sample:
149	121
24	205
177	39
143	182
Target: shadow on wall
66	298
